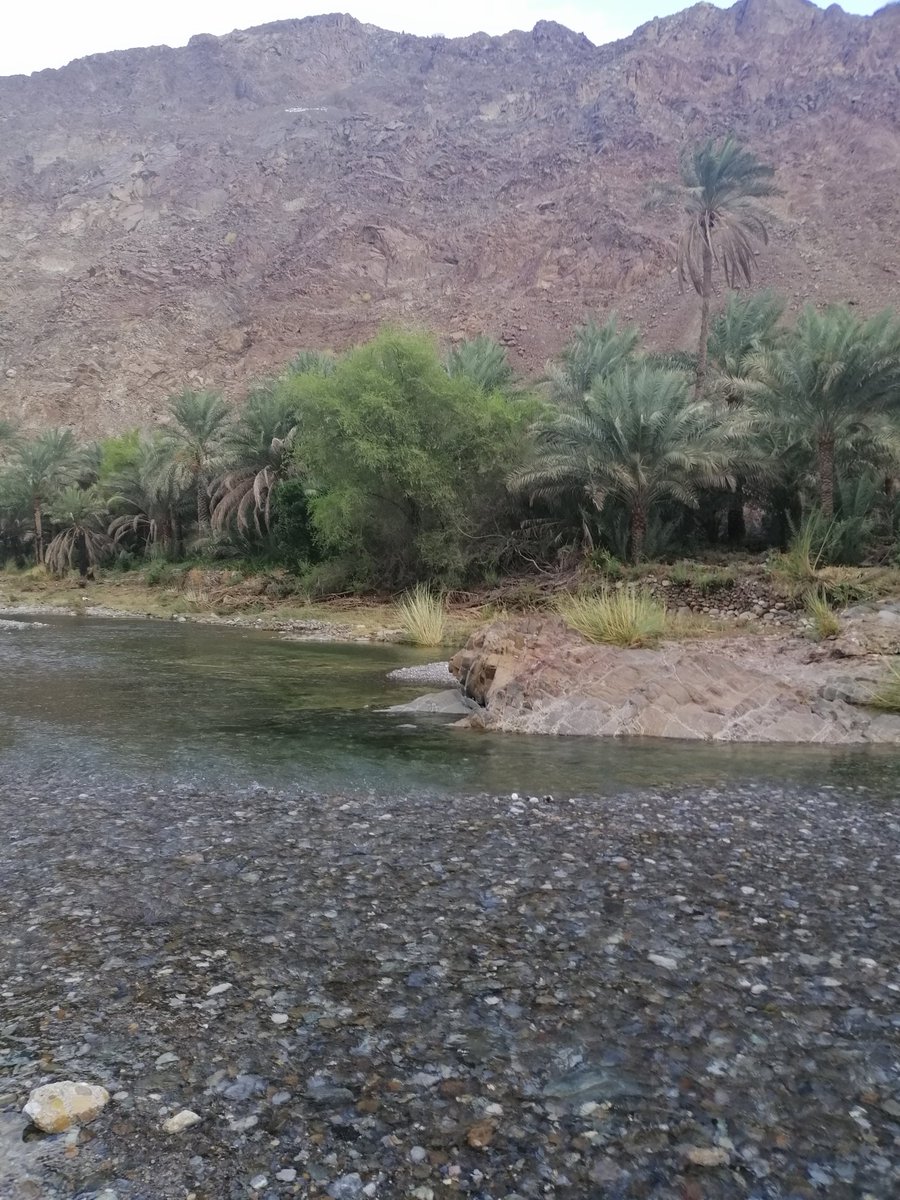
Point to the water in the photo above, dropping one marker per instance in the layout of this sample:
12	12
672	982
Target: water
161	702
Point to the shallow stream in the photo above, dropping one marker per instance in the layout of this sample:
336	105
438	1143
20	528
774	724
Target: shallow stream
163	701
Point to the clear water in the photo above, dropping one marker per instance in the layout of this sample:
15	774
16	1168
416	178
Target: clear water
164	702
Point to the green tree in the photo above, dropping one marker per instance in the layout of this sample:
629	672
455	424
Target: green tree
483	361
195	441
722	223
636	439
828	384
406	463
40	468
80	516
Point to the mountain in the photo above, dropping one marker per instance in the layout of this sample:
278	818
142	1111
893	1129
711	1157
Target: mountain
193	217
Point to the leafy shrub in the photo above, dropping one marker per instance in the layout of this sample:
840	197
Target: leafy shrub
423	617
607	564
620	617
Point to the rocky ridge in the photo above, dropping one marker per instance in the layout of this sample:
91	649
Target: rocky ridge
193	216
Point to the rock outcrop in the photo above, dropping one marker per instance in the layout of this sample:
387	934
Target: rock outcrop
536	676
192	217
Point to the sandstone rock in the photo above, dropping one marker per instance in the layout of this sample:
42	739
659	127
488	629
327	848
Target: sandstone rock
535	676
55	1107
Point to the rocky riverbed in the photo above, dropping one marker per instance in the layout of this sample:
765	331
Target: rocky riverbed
685	994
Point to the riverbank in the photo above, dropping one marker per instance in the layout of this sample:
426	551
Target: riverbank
663	993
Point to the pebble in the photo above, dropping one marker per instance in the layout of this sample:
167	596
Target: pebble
181	1121
218	989
286	1175
258	1182
55	1107
664	960
708	1156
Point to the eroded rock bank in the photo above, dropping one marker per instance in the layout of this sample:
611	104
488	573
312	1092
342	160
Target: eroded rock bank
534	675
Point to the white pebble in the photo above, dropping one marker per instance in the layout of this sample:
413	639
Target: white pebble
181	1121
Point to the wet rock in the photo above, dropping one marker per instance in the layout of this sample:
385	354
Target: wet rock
450	702
55	1107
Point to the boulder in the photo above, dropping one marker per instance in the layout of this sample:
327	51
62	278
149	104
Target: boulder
55	1107
448	701
537	676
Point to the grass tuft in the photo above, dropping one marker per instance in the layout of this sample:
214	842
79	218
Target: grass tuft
887	693
623	617
423	617
825	622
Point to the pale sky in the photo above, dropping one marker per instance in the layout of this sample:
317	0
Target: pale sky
50	33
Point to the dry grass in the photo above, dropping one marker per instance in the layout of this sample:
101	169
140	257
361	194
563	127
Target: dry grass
623	617
422	616
825	621
887	693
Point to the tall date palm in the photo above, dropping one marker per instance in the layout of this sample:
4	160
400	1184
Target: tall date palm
722	224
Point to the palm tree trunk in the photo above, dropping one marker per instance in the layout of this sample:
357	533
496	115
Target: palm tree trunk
638	532
204	529
177	539
705	298
38	532
825	455
737	526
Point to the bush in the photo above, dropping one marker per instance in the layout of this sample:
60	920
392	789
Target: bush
423	617
623	617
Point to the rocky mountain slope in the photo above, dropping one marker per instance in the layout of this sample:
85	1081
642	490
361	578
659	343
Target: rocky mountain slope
194	216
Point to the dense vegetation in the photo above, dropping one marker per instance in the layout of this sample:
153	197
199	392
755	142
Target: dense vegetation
390	464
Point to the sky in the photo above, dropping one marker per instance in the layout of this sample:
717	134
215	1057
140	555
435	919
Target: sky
50	33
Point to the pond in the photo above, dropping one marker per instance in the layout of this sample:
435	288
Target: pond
163	701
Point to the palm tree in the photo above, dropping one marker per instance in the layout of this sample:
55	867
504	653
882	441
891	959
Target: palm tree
260	446
195	442
723	180
594	352
311	362
483	361
41	467
636	439
148	499
745	327
828	383
81	540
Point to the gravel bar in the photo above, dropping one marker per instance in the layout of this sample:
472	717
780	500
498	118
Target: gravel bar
684	995
433	674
